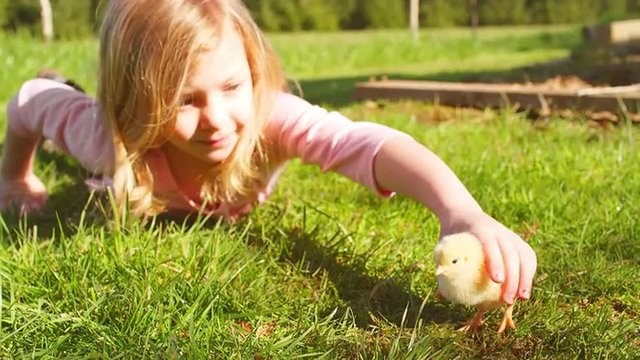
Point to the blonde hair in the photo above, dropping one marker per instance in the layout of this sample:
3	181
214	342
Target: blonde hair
147	49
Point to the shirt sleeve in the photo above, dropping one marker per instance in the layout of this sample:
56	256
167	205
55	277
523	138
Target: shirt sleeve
68	117
327	139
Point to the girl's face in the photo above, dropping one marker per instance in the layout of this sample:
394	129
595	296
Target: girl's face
216	103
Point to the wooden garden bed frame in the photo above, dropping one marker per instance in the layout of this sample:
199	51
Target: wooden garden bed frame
625	99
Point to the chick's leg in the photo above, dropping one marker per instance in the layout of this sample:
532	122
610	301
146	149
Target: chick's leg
507	319
476	322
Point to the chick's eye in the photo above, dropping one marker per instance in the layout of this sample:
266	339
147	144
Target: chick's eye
454	261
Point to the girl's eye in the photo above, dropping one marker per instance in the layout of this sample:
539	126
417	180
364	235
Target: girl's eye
232	87
454	261
187	100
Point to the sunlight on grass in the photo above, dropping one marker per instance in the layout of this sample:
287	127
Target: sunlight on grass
374	52
325	269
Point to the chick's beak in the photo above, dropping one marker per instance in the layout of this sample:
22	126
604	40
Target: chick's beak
439	270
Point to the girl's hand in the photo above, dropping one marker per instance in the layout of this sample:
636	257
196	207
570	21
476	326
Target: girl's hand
27	195
510	260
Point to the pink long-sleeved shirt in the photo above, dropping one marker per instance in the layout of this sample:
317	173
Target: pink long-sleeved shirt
296	128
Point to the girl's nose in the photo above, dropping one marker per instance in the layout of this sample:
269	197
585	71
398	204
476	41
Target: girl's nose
214	115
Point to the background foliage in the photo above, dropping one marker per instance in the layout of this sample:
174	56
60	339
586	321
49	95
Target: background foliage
73	18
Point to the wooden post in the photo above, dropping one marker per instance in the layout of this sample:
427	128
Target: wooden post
414	12
613	33
46	15
475	16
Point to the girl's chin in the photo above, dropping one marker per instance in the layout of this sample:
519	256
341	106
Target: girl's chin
218	157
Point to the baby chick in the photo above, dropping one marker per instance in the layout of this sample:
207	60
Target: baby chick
463	278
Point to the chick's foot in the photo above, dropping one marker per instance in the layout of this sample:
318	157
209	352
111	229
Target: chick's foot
507	319
475	323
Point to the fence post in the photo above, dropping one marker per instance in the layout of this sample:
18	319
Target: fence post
475	16
414	12
46	15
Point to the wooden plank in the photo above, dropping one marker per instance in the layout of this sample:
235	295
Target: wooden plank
495	95
609	90
616	32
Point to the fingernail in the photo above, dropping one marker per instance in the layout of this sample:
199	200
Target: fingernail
499	276
524	294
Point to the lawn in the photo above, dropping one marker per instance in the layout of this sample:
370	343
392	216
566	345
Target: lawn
325	269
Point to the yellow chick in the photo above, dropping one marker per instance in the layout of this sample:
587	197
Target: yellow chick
463	278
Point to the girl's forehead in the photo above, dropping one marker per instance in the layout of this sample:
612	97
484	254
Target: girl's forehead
225	58
225	38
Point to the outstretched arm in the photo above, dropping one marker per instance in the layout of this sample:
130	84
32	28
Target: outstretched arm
408	168
18	184
387	160
46	108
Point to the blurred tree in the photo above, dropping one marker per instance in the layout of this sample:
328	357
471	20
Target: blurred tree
633	7
277	15
72	19
3	11
21	15
289	14
567	11
319	15
383	13
538	11
346	10
501	12
444	12
612	10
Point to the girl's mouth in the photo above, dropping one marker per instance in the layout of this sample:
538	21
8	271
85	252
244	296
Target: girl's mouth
218	142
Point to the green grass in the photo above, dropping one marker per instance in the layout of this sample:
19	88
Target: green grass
325	269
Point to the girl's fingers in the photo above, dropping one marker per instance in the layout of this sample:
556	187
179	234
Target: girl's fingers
512	267
25	205
34	205
41	200
23	209
25	195
493	255
528	265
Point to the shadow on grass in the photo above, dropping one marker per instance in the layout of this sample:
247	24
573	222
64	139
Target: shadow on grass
64	208
363	294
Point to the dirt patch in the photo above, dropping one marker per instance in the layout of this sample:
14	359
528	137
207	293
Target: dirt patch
558	82
578	73
573	73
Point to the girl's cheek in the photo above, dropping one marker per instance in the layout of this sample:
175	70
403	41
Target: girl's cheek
245	109
243	117
186	125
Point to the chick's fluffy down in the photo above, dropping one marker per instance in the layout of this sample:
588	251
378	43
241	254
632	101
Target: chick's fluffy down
461	273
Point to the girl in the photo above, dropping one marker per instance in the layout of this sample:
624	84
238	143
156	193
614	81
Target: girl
193	115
